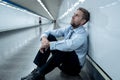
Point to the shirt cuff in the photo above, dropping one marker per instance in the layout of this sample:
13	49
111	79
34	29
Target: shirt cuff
43	35
52	45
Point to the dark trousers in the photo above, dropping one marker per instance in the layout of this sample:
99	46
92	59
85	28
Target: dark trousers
66	61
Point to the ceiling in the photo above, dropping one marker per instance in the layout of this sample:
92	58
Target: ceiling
35	7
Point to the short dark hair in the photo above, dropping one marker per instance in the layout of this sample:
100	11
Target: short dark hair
86	14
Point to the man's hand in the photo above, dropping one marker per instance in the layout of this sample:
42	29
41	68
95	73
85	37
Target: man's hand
45	41
44	44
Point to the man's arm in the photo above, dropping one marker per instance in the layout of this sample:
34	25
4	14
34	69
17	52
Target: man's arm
45	42
68	45
57	32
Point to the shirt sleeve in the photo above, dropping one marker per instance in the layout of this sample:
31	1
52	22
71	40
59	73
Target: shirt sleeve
57	33
69	44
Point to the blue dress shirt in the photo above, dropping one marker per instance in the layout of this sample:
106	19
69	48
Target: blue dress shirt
77	41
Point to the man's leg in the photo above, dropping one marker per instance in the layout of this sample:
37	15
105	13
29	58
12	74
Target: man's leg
67	61
55	60
40	60
71	64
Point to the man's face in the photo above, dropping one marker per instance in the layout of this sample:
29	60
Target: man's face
77	19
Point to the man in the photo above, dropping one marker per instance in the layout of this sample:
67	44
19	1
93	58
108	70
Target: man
40	21
67	54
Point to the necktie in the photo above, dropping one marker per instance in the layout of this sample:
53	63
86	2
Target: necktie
69	34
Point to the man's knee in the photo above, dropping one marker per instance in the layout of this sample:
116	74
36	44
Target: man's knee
52	38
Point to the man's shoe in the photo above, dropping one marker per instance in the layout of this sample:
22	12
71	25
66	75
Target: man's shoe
30	75
33	78
34	75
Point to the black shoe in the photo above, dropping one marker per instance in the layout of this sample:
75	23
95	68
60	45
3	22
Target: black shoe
31	74
35	78
34	75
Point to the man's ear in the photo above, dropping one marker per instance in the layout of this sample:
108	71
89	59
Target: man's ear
83	21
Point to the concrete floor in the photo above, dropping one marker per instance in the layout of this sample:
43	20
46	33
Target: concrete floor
21	64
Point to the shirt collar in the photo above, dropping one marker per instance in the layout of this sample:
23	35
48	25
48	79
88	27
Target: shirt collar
76	29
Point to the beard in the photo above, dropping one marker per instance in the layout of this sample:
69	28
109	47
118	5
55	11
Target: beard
74	25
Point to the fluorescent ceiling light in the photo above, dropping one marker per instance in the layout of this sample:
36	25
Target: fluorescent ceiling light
109	5
72	8
81	1
45	8
16	8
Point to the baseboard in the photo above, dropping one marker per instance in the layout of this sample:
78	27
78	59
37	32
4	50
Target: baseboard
94	71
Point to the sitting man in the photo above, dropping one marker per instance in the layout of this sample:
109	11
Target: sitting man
67	54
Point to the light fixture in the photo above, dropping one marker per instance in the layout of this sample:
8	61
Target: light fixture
16	8
45	8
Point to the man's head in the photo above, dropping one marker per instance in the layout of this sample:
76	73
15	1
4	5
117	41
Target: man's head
80	17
